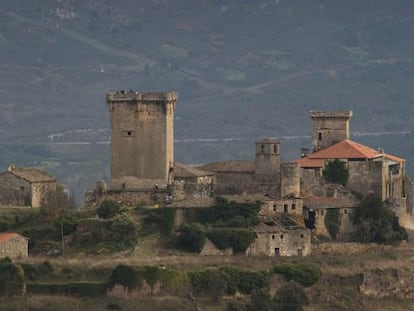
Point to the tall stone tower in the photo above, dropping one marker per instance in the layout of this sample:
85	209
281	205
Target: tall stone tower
267	160
329	128
142	139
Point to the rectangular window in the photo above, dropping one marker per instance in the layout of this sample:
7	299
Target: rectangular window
128	133
274	207
293	206
285	208
320	136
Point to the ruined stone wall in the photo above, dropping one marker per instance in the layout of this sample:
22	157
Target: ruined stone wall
14	190
41	192
272	207
282	243
310	179
346	229
142	139
367	176
235	182
290	179
146	197
185	190
16	247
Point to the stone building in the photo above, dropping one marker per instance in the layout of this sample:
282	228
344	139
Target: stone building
142	139
329	128
191	174
280	236
25	187
14	245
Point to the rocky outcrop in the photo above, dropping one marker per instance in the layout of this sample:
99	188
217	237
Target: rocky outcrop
388	283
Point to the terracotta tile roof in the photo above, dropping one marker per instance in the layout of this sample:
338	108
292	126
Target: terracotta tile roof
182	170
346	149
328	202
31	174
229	166
4	237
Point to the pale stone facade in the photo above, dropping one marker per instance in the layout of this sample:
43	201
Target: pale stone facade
142	139
14	246
329	128
25	187
277	239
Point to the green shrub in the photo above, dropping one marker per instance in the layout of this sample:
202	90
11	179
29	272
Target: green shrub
239	239
229	214
237	280
126	276
124	232
131	277
83	289
305	274
336	172
158	220
290	297
66	222
108	209
12	280
36	271
333	222
376	222
192	238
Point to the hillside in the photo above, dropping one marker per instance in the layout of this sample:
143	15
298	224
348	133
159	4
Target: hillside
243	70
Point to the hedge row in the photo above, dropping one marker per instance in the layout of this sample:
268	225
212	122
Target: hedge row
83	289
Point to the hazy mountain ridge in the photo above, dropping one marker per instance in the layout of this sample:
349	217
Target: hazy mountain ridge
243	69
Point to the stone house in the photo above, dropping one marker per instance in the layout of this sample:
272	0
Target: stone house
369	170
14	245
25	187
320	207
280	236
193	175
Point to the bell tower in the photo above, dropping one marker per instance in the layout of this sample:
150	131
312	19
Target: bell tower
329	128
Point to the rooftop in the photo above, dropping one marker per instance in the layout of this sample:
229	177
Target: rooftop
182	170
30	174
229	166
4	237
346	149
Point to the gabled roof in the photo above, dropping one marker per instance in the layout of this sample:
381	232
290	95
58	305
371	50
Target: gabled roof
229	166
31	174
182	170
4	237
346	149
316	202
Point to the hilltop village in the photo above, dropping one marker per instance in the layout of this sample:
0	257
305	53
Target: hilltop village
294	197
295	200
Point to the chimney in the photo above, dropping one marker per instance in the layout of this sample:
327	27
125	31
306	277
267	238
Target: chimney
11	167
304	152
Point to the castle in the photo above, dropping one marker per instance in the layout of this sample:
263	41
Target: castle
143	170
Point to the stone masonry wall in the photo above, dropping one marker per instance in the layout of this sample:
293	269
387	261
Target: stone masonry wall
16	247
14	190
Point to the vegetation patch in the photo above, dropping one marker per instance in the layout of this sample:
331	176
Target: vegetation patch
305	274
336	172
192	238
228	214
333	221
376	222
238	239
11	278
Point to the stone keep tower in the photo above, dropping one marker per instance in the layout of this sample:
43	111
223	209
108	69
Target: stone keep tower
267	161
329	128
142	139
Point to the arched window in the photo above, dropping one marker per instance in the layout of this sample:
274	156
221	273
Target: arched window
262	148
